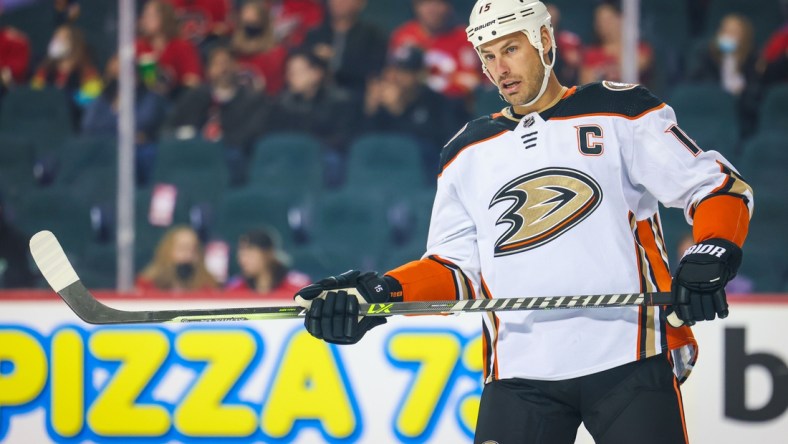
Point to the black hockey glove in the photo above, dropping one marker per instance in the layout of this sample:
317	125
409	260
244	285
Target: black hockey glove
699	285
332	305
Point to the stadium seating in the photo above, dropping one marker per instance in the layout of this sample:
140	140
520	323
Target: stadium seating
98	265
88	166
36	24
764	159
773	114
147	235
708	115
388	163
61	213
42	116
194	165
248	208
351	228
16	167
287	162
487	101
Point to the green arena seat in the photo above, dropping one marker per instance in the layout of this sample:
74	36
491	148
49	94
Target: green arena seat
195	166
42	116
773	113
385	162
89	167
61	213
287	161
708	115
16	166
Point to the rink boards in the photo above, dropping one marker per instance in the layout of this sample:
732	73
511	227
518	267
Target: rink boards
416	379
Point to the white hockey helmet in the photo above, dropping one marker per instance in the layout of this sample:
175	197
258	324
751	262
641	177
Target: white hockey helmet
491	19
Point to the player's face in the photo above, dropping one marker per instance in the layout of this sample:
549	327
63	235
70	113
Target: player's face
514	66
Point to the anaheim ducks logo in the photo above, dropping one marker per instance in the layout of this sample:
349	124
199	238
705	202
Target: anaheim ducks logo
546	204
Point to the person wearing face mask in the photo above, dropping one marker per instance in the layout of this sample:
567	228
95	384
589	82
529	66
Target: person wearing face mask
729	60
221	111
261	57
262	268
178	264
67	66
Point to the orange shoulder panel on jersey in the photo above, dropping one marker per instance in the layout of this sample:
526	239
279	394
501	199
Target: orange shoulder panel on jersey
432	279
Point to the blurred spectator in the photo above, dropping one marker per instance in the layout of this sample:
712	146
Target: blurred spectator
178	264
294	18
167	63
262	268
14	57
66	11
730	61
101	118
454	66
569	53
203	21
354	50
14	269
261	57
309	104
400	102
602	61
221	111
774	61
68	67
729	58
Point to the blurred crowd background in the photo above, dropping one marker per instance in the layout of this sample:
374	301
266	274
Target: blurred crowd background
278	141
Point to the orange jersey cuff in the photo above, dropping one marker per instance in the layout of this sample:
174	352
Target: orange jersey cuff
721	216
432	279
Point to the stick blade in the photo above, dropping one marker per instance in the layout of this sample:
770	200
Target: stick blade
52	261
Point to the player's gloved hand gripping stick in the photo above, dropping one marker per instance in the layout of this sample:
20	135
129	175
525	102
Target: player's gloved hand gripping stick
333	305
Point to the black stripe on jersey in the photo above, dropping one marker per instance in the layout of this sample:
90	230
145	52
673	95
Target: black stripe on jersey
643	322
488	355
685	140
594	98
462	291
475	131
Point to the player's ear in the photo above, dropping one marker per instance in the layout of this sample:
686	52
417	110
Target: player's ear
547	42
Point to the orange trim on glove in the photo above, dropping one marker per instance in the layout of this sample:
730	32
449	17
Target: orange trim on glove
723	216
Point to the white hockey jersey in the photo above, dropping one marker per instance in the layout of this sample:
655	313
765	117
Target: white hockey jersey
565	202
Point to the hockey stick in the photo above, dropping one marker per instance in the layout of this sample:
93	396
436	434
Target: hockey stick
54	265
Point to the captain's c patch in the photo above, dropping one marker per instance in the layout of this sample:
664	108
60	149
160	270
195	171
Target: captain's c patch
544	204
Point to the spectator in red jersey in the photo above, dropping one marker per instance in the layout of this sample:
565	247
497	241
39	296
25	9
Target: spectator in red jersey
602	61
261	57
221	111
14	57
354	50
262	268
68	67
454	67
294	19
569	56
178	264
203	21
166	62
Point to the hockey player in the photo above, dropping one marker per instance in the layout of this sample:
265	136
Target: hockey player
558	195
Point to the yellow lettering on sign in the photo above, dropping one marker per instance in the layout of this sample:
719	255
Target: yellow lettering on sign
468	407
115	411
308	385
228	354
437	355
67	402
24	382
